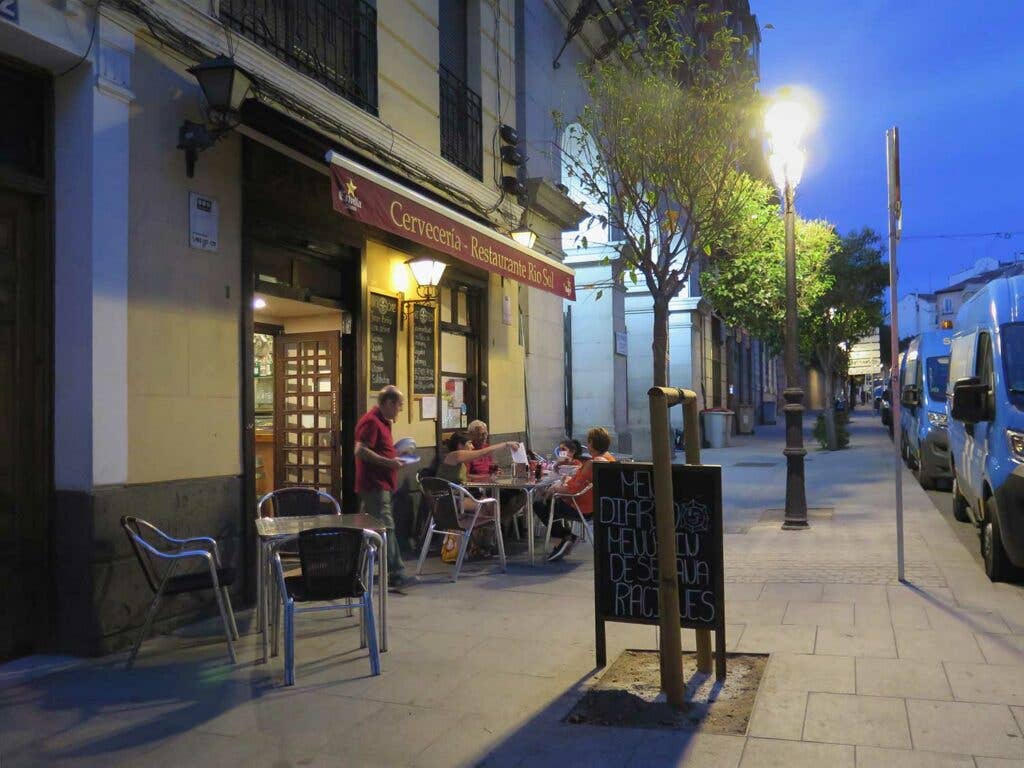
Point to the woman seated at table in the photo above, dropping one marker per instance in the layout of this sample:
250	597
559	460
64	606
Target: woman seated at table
454	466
598	441
569	454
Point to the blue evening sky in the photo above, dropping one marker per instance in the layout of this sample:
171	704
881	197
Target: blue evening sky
950	74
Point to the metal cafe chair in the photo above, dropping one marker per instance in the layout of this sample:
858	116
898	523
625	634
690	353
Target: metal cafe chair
571	500
448	516
337	564
160	567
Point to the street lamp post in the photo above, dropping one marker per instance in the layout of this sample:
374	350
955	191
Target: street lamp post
785	123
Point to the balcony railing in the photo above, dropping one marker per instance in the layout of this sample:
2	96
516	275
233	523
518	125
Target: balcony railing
460	124
332	41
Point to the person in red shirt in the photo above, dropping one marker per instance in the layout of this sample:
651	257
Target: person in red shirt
377	465
477	432
598	442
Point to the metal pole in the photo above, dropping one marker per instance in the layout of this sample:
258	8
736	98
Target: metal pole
668	577
892	154
796	499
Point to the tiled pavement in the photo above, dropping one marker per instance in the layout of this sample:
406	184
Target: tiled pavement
864	671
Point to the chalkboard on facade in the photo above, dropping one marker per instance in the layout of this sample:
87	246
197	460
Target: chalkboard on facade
626	550
424	344
383	340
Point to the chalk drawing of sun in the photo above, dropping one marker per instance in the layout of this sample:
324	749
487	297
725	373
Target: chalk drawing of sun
695	517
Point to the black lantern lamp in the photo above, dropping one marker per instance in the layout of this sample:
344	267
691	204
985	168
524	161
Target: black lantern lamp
225	87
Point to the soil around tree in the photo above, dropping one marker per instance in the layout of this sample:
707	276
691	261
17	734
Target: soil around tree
628	695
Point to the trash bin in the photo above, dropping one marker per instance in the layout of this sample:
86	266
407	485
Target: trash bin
745	419
768	412
717	428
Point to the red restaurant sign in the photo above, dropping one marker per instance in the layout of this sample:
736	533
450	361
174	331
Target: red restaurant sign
412	216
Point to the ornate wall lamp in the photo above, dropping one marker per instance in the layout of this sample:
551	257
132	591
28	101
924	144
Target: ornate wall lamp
427	273
225	86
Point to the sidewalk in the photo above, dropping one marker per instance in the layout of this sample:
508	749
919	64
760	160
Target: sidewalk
864	671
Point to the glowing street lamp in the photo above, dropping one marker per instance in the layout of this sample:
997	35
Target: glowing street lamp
785	123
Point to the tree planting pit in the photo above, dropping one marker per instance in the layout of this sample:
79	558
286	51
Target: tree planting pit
628	695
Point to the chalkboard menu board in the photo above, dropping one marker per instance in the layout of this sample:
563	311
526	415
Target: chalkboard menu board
424	342
626	549
383	340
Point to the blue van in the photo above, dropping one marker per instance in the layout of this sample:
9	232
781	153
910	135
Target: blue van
924	375
986	426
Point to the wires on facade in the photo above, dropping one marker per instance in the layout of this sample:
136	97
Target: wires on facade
181	43
88	50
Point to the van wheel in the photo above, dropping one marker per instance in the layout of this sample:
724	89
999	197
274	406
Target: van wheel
960	508
997	564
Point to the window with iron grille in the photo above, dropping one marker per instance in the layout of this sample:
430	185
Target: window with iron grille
333	42
460	124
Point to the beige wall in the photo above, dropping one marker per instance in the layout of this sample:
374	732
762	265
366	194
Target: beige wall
183	310
386	272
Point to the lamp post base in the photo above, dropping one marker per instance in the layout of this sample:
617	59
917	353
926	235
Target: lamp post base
796	498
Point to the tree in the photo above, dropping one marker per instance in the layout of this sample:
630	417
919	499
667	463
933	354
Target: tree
850	308
748	288
669	117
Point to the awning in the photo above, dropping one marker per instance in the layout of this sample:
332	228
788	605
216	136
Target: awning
375	200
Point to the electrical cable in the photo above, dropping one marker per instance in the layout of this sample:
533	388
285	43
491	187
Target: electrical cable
88	50
978	235
166	33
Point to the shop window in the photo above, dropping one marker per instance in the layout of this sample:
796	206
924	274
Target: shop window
459	354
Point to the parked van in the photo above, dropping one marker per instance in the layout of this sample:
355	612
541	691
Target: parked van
986	426
924	376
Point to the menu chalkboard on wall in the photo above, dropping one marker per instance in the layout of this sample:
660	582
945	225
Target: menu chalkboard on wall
626	550
383	340
424	344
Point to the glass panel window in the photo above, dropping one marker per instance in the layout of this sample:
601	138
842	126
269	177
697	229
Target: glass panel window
446	304
453	353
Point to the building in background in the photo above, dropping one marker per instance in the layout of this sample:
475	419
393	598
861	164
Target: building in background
224	300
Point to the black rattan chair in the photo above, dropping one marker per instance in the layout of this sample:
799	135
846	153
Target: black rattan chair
159	556
337	564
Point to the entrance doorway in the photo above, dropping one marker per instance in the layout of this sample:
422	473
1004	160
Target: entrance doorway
24	459
298	383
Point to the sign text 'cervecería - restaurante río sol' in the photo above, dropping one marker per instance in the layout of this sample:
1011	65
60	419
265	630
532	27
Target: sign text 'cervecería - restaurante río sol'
356	195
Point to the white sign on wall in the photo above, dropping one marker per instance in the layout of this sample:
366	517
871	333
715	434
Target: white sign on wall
202	222
621	343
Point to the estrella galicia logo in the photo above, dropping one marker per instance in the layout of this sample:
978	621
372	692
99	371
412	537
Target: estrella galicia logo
9	10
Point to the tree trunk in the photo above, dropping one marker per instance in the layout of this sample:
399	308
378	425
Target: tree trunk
659	346
830	405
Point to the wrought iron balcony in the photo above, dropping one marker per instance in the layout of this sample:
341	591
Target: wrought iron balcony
460	124
332	41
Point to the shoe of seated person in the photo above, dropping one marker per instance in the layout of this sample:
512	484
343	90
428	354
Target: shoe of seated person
562	548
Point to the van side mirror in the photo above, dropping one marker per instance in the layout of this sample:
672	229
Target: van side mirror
970	401
910	397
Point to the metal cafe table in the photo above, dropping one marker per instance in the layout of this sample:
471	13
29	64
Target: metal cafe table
526	485
273	531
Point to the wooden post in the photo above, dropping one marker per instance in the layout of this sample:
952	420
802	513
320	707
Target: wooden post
668	580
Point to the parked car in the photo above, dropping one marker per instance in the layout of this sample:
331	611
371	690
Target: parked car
986	426
886	409
924	376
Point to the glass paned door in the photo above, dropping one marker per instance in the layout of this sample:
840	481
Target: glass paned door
307	424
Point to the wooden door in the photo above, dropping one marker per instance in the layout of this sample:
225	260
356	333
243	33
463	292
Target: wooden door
307	422
22	512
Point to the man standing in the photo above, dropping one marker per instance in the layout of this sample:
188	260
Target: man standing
377	474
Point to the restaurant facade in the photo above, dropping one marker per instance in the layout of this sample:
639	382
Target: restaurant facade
211	298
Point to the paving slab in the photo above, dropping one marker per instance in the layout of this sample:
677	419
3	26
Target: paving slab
849	719
937	645
777	638
991	683
977	729
904	678
1001	648
877	757
856	640
803	612
773	753
811	592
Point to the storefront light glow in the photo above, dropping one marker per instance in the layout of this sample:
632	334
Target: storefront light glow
259	303
427	273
